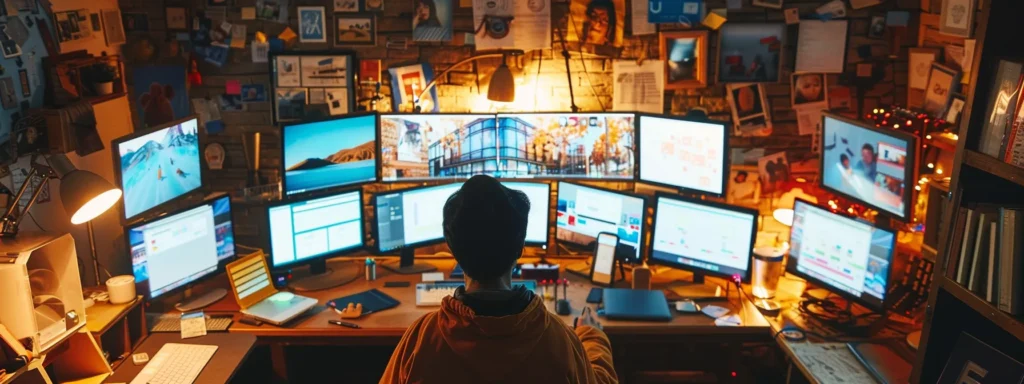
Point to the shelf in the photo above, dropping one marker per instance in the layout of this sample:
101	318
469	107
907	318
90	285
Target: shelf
101	316
1002	319
994	166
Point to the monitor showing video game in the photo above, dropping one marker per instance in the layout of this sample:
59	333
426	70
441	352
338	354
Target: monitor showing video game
867	164
438	146
332	153
157	165
566	145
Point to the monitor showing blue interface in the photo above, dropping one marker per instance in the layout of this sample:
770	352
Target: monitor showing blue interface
703	236
180	248
158	166
868	165
583	212
312	229
856	264
330	153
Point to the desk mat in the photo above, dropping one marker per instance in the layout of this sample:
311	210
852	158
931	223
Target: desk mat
372	300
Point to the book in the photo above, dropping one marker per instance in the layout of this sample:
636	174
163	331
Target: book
978	268
966	244
1013	153
1011	262
1002	99
990	282
952	257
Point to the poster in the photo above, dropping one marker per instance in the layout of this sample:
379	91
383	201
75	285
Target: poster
531	29
287	71
640	22
312	25
638	87
432	20
822	46
160	95
407	83
597	22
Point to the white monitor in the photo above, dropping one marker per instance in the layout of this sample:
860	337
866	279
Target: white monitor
704	237
312	230
684	154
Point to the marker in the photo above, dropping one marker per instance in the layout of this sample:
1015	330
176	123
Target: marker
344	324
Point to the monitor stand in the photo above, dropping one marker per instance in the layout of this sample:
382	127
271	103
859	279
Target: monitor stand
318	276
194	302
407	264
696	289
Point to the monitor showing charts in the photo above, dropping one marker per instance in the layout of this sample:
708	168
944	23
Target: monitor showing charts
566	145
856	265
872	166
181	248
309	230
420	147
688	155
583	212
702	236
157	166
330	153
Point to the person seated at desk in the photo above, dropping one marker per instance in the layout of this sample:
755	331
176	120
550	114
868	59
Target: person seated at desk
489	332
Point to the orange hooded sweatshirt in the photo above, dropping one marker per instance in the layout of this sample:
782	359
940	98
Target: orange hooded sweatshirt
454	345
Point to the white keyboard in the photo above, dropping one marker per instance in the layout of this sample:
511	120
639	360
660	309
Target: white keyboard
176	364
431	294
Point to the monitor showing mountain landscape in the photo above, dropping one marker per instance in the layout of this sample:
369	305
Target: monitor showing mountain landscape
158	166
327	154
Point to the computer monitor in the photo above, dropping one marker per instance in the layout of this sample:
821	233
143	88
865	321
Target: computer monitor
156	166
703	237
856	264
437	146
583	212
540	210
566	145
327	154
311	230
684	154
178	249
870	165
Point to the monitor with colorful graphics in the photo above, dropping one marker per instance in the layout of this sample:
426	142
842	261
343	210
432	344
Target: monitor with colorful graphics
157	166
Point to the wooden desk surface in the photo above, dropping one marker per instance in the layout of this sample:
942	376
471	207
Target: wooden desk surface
232	350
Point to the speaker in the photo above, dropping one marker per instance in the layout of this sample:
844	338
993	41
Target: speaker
641	277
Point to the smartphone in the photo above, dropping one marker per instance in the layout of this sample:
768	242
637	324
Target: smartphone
602	269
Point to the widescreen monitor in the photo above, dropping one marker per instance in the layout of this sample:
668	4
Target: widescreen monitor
331	153
702	236
311	230
868	164
566	145
583	212
849	257
156	166
687	155
174	250
437	146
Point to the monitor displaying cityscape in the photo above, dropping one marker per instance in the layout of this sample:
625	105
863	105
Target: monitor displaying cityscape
159	166
330	153
420	147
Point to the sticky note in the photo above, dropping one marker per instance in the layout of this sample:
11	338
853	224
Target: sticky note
714	20
233	87
248	13
288	35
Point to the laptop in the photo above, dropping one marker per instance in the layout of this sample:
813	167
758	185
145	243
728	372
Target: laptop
635	304
255	293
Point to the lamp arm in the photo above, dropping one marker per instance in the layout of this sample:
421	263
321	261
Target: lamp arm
432	83
35	194
13	205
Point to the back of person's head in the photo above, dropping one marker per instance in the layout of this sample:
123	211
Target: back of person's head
485	227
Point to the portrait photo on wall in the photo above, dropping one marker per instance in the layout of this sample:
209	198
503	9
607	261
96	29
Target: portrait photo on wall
685	54
356	29
744	186
809	89
750	110
160	95
597	22
774	172
432	20
750	53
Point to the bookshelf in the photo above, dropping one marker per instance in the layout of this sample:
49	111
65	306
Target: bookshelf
977	178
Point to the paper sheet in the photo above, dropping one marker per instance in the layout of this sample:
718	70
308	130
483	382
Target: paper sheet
530	27
832	363
792	16
822	46
640	24
808	120
835	8
638	87
238	35
248	13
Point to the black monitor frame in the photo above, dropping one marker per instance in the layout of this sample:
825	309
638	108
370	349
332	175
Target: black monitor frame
643	228
327	190
699	273
162	207
380	148
910	168
317	264
725	154
791	265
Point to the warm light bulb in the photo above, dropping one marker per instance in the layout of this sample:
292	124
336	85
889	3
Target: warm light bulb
929	137
896	126
931	165
96	206
939	171
917	187
784	216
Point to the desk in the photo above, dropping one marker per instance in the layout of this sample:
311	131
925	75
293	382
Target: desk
231	352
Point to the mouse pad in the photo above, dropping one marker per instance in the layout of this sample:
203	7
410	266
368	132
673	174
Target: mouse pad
372	300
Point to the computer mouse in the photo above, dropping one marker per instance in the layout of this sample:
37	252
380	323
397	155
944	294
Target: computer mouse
562	307
687	306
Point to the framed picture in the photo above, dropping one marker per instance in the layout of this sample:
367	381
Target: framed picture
432	20
72	25
750	110
957	17
373	5
94	20
776	4
809	89
113	28
750	53
956	108
177	18
941	83
289	104
685	54
349	6
312	25
876	29
315	74
744	186
920	65
774	171
356	29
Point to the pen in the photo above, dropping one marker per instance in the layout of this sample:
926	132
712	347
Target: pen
344	324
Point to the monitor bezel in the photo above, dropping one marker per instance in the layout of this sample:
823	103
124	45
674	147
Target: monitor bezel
325	256
745	277
910	168
642	244
323	190
162	207
380	149
791	266
221	264
725	154
547	215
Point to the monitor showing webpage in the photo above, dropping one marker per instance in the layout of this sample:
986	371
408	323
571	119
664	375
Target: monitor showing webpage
683	154
702	237
316	228
583	212
856	263
867	165
566	145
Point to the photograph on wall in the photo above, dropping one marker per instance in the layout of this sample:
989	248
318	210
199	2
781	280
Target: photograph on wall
774	172
744	186
597	22
177	18
876	30
289	103
956	108
324	71
407	83
750	110
957	17
808	90
750	52
312	25
941	84
287	69
920	66
337	101
9	46
113	29
231	103
373	5
356	29
432	20
346	5
252	93
272	10
685	54
72	25
160	94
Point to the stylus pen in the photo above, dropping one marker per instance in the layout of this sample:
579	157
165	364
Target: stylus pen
344	324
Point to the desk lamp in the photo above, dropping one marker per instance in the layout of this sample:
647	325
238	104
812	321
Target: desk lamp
502	87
